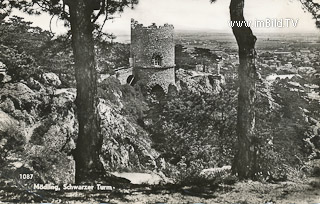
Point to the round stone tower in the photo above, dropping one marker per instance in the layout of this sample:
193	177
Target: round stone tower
152	54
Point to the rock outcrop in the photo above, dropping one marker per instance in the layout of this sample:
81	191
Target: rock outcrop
199	81
51	79
47	117
6	121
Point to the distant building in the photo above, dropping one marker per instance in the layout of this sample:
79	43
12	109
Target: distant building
305	51
281	53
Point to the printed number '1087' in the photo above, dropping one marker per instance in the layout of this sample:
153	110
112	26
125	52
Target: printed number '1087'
26	176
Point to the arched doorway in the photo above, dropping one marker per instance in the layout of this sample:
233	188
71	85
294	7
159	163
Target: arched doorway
158	91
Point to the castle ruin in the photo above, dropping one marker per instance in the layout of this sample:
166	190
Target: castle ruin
152	55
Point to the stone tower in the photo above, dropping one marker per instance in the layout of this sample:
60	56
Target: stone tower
152	55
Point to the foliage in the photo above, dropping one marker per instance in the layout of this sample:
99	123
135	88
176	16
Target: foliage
19	65
38	133
43	164
57	57
314	8
204	56
190	174
111	56
29	51
246	164
21	46
20	34
82	19
6	7
131	98
11	139
108	90
106	8
51	167
133	101
196	128
183	58
187	60
195	131
280	132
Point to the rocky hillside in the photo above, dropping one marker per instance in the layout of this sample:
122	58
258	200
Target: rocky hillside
199	81
38	131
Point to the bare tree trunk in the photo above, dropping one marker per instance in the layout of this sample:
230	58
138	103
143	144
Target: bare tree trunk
244	163
86	155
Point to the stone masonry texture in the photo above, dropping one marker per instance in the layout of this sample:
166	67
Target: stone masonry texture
148	43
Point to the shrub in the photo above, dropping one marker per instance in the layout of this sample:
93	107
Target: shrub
133	101
19	65
132	98
11	140
280	132
108	89
200	127
38	133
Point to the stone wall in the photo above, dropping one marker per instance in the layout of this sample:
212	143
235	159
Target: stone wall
149	41
163	77
123	75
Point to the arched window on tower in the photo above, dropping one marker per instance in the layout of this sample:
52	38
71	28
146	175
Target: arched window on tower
157	60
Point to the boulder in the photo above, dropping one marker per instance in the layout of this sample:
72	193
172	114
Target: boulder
125	145
198	81
20	102
7	105
51	79
20	94
34	84
61	134
62	97
6	121
50	166
47	116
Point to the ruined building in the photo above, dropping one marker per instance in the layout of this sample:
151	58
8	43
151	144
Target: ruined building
152	55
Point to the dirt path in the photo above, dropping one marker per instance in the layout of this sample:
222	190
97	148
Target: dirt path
248	192
241	193
140	178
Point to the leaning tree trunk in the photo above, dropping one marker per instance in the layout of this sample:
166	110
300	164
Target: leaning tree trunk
86	155
244	163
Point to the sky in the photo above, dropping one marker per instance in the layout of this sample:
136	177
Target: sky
198	15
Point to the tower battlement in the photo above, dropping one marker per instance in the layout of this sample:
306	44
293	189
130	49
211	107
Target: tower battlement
152	46
136	25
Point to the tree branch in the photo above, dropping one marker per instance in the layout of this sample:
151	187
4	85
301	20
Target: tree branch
313	8
101	11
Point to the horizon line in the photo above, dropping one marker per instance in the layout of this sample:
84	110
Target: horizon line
124	32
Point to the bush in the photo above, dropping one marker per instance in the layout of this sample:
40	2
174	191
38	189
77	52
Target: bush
38	133
196	126
194	174
130	97
280	133
133	101
193	131
108	90
11	140
19	65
